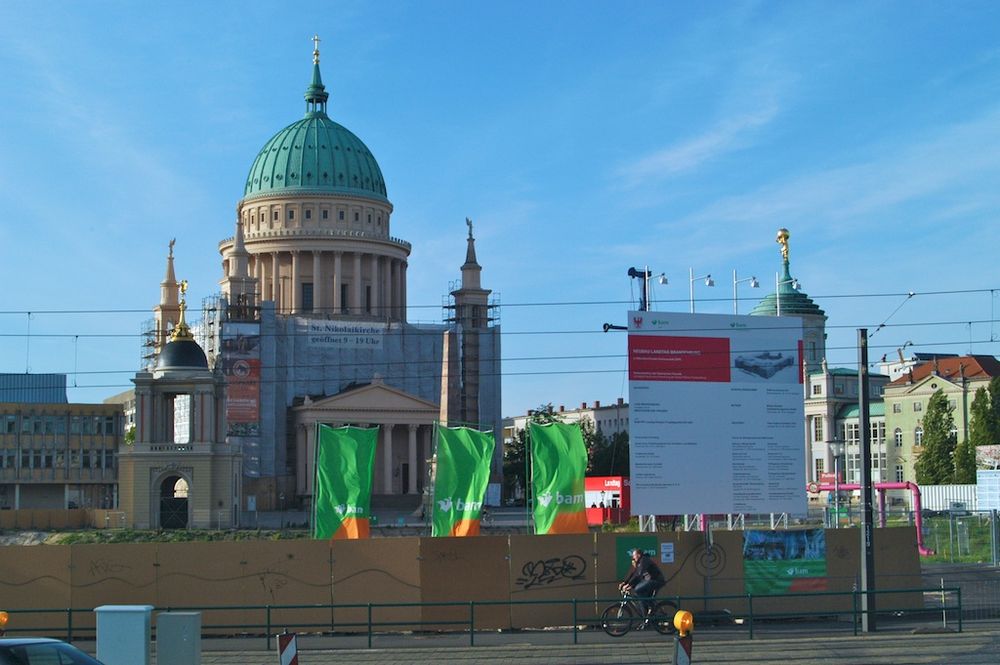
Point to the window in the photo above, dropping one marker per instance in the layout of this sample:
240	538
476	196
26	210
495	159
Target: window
326	214
10	424
852	434
917	406
275	216
899	473
877	432
918	436
344	304
369	218
817	389
818	428
897	408
309	214
854	467
307	296
897	436
357	216
368	299
340	215
819	469
291	215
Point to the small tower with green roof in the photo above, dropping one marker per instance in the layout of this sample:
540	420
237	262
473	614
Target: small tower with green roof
789	300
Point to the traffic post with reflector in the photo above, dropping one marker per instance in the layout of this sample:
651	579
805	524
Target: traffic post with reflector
287	649
684	623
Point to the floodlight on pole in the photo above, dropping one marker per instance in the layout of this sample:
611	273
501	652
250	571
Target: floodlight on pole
777	290
753	285
708	282
644	275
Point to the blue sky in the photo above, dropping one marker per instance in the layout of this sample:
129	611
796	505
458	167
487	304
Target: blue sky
582	138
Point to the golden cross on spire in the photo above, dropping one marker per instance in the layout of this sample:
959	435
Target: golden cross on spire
315	49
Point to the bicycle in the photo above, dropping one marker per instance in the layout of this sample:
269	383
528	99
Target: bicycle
622	616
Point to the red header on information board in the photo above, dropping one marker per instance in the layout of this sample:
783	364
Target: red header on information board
663	358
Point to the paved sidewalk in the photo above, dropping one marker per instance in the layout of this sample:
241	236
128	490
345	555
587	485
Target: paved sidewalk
978	645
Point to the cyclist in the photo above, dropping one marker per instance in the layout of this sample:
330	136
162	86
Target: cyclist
644	579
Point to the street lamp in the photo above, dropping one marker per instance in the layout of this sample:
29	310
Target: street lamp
644	275
708	282
836	449
777	290
753	285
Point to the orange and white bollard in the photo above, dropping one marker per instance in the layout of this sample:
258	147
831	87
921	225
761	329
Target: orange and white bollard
684	623
287	649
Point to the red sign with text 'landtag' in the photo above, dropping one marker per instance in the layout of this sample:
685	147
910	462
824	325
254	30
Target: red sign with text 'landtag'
662	358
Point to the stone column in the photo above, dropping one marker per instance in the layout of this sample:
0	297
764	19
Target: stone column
376	285
276	282
319	299
358	307
265	285
303	480
413	458
402	291
338	278
394	286
387	459
387	312
295	285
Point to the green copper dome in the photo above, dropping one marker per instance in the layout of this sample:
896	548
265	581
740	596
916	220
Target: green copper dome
315	154
792	300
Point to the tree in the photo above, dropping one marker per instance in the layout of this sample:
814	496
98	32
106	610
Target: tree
936	464
965	463
979	419
514	453
993	420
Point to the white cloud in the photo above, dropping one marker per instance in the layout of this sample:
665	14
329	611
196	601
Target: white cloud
731	134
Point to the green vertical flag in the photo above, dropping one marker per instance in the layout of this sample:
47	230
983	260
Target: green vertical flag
461	476
345	464
558	465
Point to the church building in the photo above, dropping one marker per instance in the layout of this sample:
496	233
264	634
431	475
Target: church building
311	324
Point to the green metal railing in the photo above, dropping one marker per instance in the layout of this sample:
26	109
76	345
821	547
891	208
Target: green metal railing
370	627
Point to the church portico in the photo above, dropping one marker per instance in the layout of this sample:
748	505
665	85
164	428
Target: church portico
406	426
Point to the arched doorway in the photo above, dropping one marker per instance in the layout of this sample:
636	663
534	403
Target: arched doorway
173	503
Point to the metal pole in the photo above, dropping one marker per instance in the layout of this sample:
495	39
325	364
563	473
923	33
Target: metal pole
777	294
867	525
736	308
691	284
836	491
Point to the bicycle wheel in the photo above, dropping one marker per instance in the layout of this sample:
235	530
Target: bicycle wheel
663	617
617	619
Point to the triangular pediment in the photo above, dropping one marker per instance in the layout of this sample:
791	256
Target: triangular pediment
375	397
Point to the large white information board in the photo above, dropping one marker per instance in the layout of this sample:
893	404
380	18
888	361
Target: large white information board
716	420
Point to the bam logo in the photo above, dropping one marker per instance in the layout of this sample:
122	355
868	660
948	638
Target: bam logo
545	499
445	505
343	510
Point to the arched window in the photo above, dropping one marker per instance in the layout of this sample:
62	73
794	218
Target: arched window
918	436
897	436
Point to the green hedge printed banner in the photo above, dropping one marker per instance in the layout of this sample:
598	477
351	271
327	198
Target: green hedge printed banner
345	464
558	466
460	480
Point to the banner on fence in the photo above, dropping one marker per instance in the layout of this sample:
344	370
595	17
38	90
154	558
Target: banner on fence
776	562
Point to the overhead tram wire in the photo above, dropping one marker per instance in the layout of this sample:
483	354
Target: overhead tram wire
148	310
412	332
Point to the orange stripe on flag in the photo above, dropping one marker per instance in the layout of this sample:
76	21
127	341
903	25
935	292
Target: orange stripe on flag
575	522
352	528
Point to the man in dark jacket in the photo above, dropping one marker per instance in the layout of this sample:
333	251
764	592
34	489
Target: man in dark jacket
644	578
